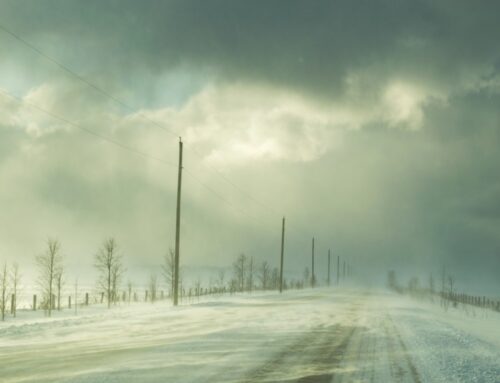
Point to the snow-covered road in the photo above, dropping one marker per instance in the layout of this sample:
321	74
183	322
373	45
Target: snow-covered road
321	335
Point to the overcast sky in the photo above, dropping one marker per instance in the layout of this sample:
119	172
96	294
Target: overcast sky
372	125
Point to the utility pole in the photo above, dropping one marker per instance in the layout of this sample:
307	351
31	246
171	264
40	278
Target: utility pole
312	277
338	269
177	227
328	267
282	253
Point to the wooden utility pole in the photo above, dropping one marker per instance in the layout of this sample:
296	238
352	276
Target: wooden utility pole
312	277
177	227
328	267
338	269
282	253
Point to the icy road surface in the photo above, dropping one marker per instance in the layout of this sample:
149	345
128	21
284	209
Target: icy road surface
317	335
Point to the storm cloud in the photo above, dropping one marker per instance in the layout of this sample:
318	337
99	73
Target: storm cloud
374	126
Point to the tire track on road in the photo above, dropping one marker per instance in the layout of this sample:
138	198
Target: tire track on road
396	346
314	357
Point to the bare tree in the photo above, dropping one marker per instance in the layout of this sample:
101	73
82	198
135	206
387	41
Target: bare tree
264	275
109	264
432	287
116	274
233	285
59	284
275	278
15	277
307	275
451	281
239	271
129	288
48	264
153	287
220	279
250	278
392	282
443	286
197	288
3	290
168	270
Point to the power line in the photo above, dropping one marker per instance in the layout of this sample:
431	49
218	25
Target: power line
211	190
125	147
140	153
81	78
86	130
130	108
227	180
123	104
120	102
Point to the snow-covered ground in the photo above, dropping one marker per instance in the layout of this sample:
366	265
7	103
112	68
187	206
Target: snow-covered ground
321	335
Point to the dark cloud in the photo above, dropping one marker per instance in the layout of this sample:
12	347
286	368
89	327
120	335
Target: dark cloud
311	46
409	180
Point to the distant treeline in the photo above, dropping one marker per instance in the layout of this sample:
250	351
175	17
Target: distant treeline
446	292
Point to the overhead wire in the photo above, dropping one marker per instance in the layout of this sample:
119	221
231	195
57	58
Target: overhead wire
124	147
141	115
133	110
80	78
86	130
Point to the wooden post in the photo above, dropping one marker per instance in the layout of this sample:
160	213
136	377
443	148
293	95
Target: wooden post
282	253
312	277
86	299
76	296
69	302
328	279
177	227
338	269
34	302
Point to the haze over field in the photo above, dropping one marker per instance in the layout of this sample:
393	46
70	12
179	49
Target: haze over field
373	126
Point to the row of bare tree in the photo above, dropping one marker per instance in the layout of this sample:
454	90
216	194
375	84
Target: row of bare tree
246	277
50	265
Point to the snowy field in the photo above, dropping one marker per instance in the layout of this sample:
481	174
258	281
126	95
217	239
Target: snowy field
321	335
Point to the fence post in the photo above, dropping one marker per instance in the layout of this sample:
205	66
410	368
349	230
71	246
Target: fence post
69	302
86	299
34	302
